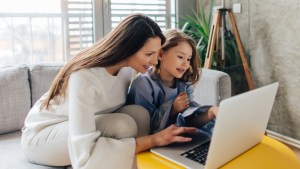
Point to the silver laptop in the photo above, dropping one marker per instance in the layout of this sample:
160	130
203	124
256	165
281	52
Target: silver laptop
240	125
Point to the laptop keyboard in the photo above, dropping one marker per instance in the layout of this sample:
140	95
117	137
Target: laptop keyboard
198	154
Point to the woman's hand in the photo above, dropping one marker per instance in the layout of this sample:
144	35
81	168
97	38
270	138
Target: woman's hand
172	134
167	136
181	103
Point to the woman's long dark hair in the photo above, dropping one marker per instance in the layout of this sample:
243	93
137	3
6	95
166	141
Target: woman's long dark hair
125	40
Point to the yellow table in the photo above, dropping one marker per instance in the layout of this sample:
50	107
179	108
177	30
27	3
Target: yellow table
269	154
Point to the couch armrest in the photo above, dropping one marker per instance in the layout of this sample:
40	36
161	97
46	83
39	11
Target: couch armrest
212	87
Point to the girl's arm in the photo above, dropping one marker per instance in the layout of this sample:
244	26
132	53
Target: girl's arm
180	104
190	93
143	92
205	113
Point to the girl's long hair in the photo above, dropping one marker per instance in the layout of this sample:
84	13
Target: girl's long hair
173	38
121	43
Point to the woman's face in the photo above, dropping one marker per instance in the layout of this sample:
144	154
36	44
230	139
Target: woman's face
176	61
146	56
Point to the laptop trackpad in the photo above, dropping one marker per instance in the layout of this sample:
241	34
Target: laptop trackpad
174	151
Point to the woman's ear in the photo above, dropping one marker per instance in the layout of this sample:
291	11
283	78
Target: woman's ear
160	55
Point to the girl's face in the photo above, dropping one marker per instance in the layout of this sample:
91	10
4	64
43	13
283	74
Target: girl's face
175	61
146	56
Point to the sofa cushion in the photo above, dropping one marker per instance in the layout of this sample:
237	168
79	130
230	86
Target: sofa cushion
14	98
11	155
42	76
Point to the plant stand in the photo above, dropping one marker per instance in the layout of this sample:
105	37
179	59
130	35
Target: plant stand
213	42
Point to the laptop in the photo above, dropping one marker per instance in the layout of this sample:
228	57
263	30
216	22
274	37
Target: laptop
240	125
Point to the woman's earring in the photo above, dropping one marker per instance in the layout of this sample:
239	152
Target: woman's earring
191	70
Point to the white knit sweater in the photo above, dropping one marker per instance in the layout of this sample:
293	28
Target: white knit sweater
90	92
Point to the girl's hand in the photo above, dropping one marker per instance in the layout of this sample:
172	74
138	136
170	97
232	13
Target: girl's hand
172	134
213	111
181	103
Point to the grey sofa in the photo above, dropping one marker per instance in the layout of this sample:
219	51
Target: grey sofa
21	86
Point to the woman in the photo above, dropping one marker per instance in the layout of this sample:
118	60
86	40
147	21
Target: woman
81	119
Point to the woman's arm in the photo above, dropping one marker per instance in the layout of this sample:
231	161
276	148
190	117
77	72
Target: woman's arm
167	136
86	143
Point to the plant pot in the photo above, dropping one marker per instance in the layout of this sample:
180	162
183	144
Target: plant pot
238	78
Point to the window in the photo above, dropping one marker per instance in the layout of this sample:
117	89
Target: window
54	30
44	31
162	11
79	24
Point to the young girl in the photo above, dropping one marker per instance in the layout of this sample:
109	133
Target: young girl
81	119
166	90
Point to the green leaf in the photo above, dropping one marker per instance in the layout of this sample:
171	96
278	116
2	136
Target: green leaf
204	22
